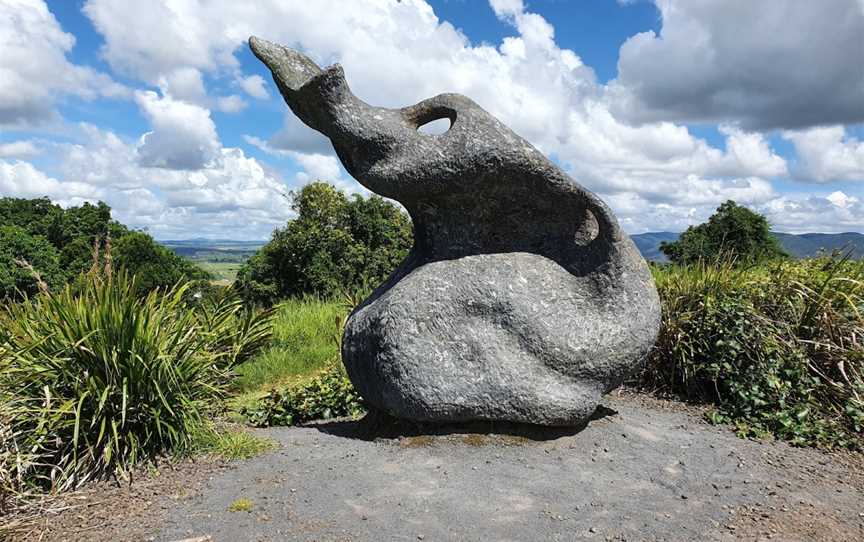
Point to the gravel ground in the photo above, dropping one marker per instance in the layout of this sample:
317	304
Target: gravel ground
643	470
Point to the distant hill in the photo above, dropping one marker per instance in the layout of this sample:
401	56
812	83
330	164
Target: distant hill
809	244
202	243
649	244
800	246
803	245
213	249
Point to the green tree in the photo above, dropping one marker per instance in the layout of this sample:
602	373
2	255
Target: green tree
153	265
36	216
18	247
72	235
335	244
733	232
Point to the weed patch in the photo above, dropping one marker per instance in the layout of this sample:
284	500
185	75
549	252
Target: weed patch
328	395
777	347
241	505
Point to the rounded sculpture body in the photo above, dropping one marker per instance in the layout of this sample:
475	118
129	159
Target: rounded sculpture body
521	300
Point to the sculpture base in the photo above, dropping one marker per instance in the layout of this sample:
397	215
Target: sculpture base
501	337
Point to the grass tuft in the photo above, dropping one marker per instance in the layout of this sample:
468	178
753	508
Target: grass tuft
95	378
231	443
241	505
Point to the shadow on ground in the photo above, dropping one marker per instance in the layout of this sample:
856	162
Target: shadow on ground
377	425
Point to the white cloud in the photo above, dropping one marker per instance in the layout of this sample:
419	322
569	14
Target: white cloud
837	212
187	84
230	104
34	70
316	166
233	195
507	8
778	64
19	149
147	40
183	136
184	83
255	86
827	154
295	135
397	53
20	179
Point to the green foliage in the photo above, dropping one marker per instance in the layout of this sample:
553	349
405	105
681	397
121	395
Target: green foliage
242	504
18	249
328	395
230	443
335	244
59	226
306	335
233	331
95	380
153	265
732	233
61	244
777	348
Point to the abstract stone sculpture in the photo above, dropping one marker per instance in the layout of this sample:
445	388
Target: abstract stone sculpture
521	300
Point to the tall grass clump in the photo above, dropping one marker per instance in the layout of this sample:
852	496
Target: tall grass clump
776	347
95	380
306	337
233	331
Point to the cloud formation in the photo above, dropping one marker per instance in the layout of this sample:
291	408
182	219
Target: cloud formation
827	154
778	64
625	140
183	135
34	70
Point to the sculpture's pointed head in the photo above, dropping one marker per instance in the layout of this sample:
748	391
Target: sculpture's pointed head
312	93
291	69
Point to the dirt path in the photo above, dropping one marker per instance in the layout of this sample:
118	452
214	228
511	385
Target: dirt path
647	470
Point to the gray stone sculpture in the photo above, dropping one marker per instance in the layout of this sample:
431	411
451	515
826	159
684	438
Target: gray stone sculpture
522	300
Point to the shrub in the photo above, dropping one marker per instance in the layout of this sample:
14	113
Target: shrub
329	395
336	243
95	381
732	233
18	250
43	234
153	265
777	348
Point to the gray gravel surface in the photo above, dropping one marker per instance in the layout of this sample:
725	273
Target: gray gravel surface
644	470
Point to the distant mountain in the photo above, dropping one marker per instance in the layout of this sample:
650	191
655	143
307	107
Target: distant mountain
201	242
804	245
213	249
649	244
800	246
809	244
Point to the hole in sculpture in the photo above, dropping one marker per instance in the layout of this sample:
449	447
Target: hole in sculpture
435	126
588	229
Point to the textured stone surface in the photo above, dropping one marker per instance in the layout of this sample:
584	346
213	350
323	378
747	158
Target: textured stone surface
522	299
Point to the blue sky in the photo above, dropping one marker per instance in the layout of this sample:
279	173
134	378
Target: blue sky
664	109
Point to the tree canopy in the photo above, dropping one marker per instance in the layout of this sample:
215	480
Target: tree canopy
61	243
335	244
733	232
19	248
